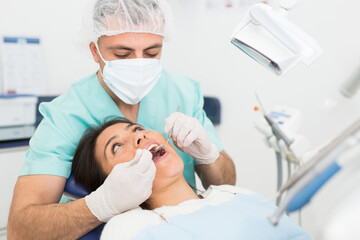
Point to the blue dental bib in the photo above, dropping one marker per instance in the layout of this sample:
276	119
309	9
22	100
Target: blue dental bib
241	218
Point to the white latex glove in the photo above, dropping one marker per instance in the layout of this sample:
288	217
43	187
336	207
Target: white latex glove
190	137
127	186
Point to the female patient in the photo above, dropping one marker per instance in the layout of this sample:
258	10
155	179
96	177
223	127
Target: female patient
173	210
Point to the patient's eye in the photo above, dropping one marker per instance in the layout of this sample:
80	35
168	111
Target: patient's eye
116	147
138	129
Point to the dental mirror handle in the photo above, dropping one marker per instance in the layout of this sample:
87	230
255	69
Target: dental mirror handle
171	130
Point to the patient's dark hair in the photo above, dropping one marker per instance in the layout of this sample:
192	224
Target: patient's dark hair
85	168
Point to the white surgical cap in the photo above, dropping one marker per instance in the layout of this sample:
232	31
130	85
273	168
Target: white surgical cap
112	17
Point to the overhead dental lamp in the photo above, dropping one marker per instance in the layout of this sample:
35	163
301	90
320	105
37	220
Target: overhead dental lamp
273	41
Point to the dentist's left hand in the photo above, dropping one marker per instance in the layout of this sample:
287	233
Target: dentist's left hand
127	186
190	137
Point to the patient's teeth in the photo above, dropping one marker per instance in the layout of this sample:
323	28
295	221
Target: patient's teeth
152	146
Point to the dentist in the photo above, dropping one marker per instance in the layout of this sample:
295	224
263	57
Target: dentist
125	38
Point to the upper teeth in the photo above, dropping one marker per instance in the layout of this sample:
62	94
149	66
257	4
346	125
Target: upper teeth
151	146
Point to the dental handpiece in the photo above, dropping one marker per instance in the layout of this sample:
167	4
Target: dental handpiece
320	155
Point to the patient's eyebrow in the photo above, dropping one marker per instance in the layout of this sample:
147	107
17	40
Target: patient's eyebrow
108	142
129	126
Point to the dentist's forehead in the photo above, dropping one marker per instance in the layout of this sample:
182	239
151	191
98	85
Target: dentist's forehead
131	40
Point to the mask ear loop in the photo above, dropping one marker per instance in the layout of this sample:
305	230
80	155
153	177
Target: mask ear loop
98	50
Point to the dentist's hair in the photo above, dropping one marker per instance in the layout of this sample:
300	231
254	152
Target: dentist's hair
85	167
113	17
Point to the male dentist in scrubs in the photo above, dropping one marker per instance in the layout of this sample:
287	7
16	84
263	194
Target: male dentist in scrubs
125	37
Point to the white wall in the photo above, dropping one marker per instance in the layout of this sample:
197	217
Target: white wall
201	49
229	74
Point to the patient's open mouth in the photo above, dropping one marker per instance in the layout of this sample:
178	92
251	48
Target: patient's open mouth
157	154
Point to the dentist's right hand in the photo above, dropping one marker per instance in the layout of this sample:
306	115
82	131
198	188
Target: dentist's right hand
127	186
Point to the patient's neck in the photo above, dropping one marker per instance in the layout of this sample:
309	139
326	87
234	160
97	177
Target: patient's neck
172	195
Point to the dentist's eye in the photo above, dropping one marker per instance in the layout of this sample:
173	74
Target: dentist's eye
116	147
151	55
122	56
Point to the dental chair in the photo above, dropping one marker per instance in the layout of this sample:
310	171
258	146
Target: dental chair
73	191
212	108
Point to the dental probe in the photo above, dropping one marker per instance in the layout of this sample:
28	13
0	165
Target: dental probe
169	136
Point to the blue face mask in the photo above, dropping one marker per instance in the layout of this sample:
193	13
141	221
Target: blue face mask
131	79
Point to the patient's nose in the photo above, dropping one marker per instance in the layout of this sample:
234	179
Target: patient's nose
140	138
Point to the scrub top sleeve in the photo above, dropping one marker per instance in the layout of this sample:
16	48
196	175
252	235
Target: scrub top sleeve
199	114
50	151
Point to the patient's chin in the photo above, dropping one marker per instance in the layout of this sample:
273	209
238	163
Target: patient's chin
167	173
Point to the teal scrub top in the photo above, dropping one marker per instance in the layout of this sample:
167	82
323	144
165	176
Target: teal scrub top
87	103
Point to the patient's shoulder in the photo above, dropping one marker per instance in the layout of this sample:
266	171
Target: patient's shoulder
128	224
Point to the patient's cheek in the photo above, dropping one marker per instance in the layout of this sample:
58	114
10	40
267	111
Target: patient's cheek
122	157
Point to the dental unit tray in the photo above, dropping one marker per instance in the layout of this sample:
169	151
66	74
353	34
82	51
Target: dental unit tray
273	41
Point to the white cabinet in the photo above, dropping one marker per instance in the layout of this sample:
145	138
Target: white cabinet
11	162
